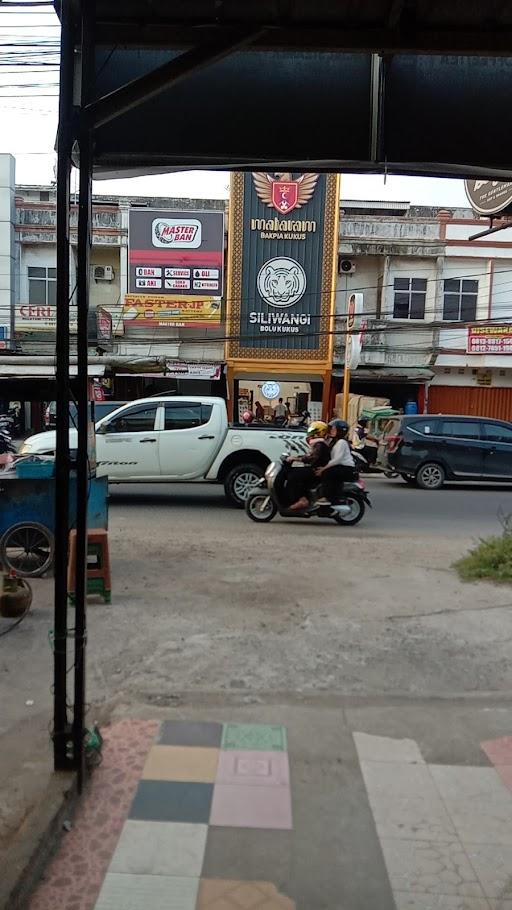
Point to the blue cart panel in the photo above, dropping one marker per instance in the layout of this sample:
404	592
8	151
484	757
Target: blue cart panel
34	500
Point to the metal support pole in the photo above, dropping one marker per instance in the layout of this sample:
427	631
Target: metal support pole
82	462
62	750
82	400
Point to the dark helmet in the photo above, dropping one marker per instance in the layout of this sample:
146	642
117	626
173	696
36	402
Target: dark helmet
341	426
362	421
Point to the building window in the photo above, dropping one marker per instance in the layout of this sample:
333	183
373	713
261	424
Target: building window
460	297
42	286
409	299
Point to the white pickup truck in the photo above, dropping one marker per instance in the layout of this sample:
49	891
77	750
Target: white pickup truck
180	440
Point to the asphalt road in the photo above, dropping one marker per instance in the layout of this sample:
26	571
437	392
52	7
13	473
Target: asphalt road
459	509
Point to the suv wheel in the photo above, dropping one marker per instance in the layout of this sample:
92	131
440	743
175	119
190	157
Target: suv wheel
430	476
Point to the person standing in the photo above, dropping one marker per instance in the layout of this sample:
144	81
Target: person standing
280	412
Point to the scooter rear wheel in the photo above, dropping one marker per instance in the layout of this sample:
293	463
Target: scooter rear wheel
357	510
260	507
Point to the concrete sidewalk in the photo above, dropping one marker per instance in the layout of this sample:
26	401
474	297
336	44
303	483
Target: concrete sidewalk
355	805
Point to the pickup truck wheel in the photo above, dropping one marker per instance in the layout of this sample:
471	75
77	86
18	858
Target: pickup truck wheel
240	481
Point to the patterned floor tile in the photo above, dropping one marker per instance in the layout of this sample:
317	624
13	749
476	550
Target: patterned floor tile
430	868
181	763
183	733
253	769
85	852
418	819
261	737
239	806
382	748
171	801
160	848
493	866
407	901
147	892
216	894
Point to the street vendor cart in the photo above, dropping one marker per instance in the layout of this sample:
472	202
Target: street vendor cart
27	519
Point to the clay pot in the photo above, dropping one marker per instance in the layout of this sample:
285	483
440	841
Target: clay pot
15	598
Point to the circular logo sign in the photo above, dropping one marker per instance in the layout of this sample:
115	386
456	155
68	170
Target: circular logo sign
281	282
488	197
270	390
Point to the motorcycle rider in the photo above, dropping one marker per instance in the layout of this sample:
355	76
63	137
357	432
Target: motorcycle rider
341	466
302	479
364	442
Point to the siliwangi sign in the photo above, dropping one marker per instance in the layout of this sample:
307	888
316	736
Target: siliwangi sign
175	254
283	253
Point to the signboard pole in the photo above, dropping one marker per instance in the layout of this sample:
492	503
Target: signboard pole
346	379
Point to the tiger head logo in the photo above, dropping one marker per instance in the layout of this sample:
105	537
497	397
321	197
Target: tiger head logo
281	282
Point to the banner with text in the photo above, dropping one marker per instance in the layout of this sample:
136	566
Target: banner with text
140	311
283	254
489	339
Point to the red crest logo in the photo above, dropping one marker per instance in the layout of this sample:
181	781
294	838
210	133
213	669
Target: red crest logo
282	192
285	196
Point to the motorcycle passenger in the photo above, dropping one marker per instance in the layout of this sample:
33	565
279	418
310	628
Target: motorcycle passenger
341	466
302	479
364	442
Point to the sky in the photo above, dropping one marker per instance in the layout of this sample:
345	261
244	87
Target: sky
28	124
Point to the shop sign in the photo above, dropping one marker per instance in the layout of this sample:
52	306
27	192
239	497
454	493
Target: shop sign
489	339
178	370
282	246
30	318
175	254
488	197
270	390
142	311
4	337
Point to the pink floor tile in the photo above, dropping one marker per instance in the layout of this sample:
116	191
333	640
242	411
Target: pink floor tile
505	772
74	878
238	806
499	750
253	769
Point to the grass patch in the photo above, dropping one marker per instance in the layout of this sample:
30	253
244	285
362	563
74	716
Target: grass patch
491	559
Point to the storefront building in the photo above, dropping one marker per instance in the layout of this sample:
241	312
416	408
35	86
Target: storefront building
420	275
282	255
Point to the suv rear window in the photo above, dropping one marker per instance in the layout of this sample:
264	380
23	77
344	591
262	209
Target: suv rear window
462	429
497	432
427	426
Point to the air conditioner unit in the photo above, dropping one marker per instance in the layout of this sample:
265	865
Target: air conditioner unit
346	267
102	272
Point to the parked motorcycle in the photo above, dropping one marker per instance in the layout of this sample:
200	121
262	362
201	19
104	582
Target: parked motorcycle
363	466
7	449
269	497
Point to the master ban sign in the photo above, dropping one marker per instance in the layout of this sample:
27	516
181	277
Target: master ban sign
283	249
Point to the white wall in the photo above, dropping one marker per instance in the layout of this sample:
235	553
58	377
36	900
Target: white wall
365	280
7	246
501	296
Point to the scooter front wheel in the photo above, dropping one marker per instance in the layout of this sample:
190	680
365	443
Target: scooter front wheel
357	510
261	507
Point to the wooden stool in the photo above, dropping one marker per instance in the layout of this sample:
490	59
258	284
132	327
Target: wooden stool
98	565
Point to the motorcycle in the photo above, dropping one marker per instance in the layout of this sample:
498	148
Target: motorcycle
268	498
364	466
7	450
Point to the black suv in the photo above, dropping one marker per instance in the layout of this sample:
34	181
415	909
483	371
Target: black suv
427	450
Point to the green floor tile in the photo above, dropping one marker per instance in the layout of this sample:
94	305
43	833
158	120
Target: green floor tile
254	736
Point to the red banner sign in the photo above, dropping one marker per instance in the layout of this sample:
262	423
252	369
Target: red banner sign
489	339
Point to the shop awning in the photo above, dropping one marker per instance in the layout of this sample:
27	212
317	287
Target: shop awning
388	374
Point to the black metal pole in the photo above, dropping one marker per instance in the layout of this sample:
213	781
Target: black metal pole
82	463
62	749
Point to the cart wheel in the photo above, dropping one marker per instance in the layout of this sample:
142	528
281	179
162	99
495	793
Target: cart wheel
27	549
